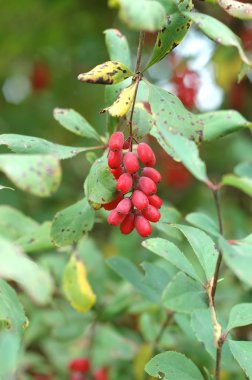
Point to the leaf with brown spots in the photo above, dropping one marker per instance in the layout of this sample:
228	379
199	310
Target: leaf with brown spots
237	9
110	72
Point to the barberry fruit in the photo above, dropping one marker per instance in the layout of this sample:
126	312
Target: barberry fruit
151	213
115	159
143	226
146	155
111	205
131	163
101	374
116	141
124	183
126	144
124	206
139	200
79	365
147	186
114	218
152	174
117	172
128	224
155	200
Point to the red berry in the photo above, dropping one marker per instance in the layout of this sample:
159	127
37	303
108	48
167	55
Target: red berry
155	201
101	374
143	226
151	213
147	186
131	163
146	155
114	218
139	200
124	206
79	365
128	224
111	205
124	183
77	376
116	141
126	144
152	174
117	172
115	159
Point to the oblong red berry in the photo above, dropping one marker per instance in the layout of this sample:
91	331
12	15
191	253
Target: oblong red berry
147	186
124	206
152	174
151	213
139	200
146	154
115	159
80	365
143	226
111	205
116	141
155	200
124	183
114	218
128	224
131	163
126	144
117	172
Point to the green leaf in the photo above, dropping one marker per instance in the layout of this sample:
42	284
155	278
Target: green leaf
203	246
110	72
142	122
242	183
34	280
12	324
240	315
35	145
70	224
237	9
117	46
204	222
173	366
173	32
36	240
146	15
14	224
6	187
166	107
244	169
100	185
242	352
184	294
74	122
238	258
170	252
76	286
218	32
36	174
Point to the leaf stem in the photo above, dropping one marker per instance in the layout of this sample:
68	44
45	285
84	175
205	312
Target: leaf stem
139	51
138	78
160	334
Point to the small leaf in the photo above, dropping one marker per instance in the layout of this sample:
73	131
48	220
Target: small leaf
14	224
204	222
100	185
110	72
218	32
70	224
237	9
74	122
173	366
38	239
76	286
244	169
146	15
122	104
240	315
118	47
242	183
170	252
6	187
37	174
183	294
34	280
173	32
242	352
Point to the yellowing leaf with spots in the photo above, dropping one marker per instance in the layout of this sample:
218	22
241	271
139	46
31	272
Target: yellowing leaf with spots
123	102
237	9
174	31
76	286
110	72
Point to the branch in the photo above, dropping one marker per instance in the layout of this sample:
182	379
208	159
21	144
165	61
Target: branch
139	51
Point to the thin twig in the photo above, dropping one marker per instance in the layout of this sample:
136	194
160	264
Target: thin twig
138	78
139	51
161	331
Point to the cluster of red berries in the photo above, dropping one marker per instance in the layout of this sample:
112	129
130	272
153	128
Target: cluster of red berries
80	370
136	204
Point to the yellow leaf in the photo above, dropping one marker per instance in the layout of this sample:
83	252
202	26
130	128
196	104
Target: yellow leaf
123	102
110	72
143	356
76	286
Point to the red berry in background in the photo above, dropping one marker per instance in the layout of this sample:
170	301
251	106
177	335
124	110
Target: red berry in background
114	218
143	226
186	86
128	224
155	200
79	365
147	186
152	174
146	155
111	205
139	200
124	183
40	76
117	172
151	213
101	374
176	175
124	206
115	159
131	163
116	141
